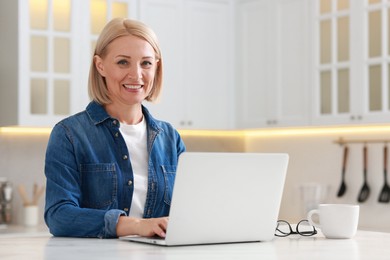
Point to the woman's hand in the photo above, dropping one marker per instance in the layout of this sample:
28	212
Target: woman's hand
142	227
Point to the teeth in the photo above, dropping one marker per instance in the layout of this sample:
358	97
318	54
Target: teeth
133	86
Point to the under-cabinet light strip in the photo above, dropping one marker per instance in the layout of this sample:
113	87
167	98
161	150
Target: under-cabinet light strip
237	133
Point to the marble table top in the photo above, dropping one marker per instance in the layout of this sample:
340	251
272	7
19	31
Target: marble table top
41	245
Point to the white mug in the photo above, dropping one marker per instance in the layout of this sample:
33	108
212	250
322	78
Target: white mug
336	220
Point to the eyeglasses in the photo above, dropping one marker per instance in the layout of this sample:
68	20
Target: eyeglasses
303	228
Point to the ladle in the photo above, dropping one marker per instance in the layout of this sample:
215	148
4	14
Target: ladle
365	190
343	185
384	196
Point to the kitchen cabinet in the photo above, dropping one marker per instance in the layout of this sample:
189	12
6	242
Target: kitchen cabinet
46	53
197	43
227	63
273	63
351	62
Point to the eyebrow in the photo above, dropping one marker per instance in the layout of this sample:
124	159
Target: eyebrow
129	57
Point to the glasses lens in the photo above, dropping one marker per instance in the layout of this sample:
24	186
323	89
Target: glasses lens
282	229
305	229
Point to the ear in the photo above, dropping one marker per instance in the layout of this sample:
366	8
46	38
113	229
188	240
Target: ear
99	65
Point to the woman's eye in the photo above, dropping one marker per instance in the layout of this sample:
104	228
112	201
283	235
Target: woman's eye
147	63
123	62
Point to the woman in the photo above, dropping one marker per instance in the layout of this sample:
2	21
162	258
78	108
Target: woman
110	169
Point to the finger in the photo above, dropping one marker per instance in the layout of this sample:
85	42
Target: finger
162	224
159	231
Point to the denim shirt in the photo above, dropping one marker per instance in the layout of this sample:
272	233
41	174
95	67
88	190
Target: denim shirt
89	174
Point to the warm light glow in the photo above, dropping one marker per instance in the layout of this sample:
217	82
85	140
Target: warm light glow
212	133
25	130
119	10
98	13
38	14
267	132
318	131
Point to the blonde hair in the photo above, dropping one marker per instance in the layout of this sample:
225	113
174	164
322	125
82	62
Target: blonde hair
97	88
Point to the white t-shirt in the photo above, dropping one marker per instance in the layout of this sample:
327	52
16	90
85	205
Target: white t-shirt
136	141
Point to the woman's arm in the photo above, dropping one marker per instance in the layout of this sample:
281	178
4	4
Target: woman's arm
64	214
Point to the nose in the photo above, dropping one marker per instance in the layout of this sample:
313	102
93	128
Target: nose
135	72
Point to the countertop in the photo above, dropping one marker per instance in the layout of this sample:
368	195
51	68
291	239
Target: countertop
41	245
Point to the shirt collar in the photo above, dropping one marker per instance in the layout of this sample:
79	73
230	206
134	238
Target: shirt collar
98	115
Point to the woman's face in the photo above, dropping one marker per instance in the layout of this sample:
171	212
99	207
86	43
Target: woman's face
128	67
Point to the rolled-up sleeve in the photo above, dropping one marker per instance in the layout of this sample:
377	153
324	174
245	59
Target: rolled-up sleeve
111	219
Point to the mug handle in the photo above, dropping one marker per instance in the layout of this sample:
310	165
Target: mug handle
311	221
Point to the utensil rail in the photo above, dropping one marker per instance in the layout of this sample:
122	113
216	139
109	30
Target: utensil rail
342	141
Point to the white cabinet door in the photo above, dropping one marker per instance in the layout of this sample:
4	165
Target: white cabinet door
196	44
207	64
165	18
255	86
272	63
293	66
351	57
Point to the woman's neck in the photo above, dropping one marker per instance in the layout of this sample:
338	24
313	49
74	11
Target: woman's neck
130	115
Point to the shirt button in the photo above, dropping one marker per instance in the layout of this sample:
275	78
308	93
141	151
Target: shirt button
129	183
126	209
114	122
116	134
125	157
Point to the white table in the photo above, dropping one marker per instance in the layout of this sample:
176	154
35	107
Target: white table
40	245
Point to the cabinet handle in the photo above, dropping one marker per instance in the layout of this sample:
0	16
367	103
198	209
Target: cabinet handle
356	117
272	122
185	123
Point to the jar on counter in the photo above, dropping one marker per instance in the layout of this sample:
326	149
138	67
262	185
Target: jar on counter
6	191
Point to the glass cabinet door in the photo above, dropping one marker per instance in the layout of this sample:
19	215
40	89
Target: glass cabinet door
377	55
353	60
50	34
333	56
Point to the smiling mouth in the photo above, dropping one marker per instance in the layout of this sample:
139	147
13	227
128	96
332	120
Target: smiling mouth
133	87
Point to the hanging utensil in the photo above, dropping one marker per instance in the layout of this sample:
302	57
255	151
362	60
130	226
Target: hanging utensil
343	186
384	196
365	190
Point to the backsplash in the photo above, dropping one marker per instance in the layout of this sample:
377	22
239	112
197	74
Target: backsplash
315	158
22	163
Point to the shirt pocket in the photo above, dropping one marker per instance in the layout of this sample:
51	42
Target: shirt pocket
169	172
99	185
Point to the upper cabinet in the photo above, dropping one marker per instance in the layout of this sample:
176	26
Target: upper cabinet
273	59
227	63
46	56
351	61
49	80
197	43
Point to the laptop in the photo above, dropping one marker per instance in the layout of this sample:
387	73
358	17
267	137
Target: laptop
224	198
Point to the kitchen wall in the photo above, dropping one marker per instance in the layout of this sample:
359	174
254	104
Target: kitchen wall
314	158
22	162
